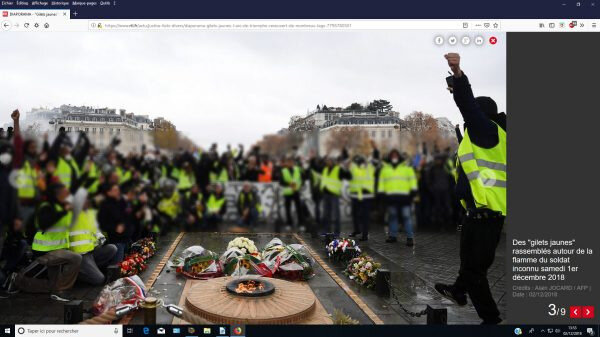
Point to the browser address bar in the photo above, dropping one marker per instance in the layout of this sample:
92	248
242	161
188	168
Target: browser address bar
135	25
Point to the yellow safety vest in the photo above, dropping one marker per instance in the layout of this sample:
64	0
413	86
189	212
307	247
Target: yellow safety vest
185	181
82	237
64	171
223	177
55	237
289	178
200	197
94	174
124	175
330	180
243	199
213	205
170	206
486	171
175	173
399	180
26	181
363	178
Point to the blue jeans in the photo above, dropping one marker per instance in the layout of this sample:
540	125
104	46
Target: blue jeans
361	211
331	213
93	261
120	254
406	217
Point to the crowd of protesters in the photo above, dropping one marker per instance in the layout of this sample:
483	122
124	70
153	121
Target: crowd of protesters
68	204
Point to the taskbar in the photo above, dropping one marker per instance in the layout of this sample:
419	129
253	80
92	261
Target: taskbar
56	330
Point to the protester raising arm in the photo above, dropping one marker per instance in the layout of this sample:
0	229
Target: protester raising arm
482	130
81	150
18	144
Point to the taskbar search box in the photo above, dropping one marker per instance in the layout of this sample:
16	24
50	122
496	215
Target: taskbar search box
60	330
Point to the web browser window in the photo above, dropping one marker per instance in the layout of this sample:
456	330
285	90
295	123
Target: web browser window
270	169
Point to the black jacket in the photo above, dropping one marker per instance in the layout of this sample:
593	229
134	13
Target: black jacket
483	132
112	213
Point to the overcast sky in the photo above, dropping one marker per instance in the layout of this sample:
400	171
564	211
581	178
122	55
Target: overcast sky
233	87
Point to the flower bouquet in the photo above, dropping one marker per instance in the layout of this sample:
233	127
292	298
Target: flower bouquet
145	247
363	270
132	264
201	267
237	263
245	245
271	252
296	263
292	262
342	249
198	263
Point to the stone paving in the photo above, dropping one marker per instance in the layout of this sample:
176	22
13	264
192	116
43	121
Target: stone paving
414	271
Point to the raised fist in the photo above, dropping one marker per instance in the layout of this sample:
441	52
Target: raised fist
454	63
15	115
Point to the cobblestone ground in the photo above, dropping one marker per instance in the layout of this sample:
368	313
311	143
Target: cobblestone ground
434	258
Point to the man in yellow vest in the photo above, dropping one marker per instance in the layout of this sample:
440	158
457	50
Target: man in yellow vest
67	169
51	247
248	205
193	209
362	192
216	207
185	177
481	187
169	206
331	187
219	172
398	182
291	183
87	240
313	176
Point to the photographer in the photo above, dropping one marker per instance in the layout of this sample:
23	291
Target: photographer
481	187
51	247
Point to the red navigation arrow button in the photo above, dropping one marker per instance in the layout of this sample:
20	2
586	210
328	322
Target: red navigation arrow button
575	312
587	312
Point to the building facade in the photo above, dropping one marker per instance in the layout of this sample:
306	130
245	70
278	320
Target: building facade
385	130
100	124
322	125
325	129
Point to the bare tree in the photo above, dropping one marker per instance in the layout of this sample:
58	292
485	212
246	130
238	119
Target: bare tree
279	145
423	128
301	124
352	138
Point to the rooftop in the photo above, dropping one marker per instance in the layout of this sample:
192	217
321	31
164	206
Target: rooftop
363	120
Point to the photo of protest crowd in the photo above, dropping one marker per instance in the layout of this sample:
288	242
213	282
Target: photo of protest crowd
75	213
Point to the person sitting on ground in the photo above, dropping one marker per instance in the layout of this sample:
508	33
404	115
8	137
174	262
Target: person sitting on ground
87	240
169	206
193	209
55	268
248	205
112	220
216	206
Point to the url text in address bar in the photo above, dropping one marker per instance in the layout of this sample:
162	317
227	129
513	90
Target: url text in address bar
133	25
